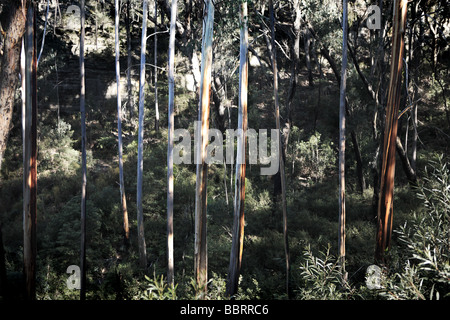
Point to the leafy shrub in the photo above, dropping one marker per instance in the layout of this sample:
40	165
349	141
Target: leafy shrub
426	242
314	156
322	277
55	149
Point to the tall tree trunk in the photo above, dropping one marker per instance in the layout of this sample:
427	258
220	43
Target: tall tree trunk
130	98
171	81
280	155
119	129
30	154
14	28
307	45
342	118
140	214
239	194
385	204
83	155
156	69
44	33
200	249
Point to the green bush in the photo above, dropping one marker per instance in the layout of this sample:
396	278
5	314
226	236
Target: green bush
322	277
425	241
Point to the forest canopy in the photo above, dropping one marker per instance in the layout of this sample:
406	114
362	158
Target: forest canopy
349	101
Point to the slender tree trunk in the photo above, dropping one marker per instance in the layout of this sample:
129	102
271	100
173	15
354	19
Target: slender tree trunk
83	156
171	81
30	155
156	69
140	214
307	45
130	99
10	67
239	195
200	249
342	119
280	155
45	31
119	129
385	204
409	171
359	164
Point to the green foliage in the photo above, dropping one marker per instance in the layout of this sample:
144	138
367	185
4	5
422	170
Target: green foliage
56	151
322	277
158	289
426	242
315	156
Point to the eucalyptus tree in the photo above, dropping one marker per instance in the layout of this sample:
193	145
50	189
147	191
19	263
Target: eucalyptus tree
342	120
119	126
140	164
14	27
200	246
239	195
280	155
171	81
30	153
83	154
386	199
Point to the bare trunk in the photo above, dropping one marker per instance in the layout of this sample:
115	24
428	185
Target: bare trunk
200	249
119	128
239	195
385	204
130	99
307	45
30	154
171	80
10	68
83	156
156	70
140	214
280	155
409	171
342	120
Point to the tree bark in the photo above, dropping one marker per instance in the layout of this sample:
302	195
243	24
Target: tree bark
407	167
15	29
119	129
30	156
140	214
171	81
280	155
130	99
83	155
342	122
239	195
156	69
385	204
200	249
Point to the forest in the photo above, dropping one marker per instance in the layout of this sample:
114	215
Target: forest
224	150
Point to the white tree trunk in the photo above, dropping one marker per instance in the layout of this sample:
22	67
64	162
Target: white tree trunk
119	125
171	81
342	138
83	156
140	214
239	194
200	247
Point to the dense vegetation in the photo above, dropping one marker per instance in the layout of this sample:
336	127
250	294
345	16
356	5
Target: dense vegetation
419	259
